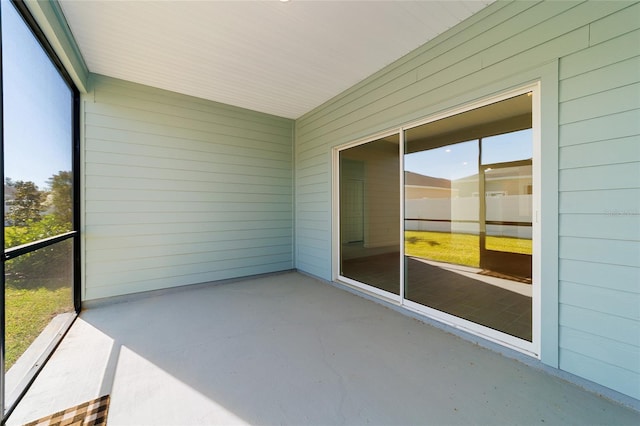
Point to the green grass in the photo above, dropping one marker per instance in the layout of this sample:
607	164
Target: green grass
28	311
509	244
461	249
37	284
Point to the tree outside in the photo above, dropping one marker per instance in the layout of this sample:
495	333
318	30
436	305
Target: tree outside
33	214
26	205
61	198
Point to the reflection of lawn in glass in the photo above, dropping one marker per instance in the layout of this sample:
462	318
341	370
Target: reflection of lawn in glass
461	249
28	311
509	244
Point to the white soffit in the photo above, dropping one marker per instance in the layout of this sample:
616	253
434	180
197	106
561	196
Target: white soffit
280	58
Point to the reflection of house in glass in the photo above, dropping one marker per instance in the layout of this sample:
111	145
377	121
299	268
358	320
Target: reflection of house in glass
417	186
508	199
442	205
498	182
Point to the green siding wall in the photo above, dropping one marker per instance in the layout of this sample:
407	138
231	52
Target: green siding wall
178	190
600	204
587	55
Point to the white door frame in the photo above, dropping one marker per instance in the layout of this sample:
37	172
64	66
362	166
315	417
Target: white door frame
530	348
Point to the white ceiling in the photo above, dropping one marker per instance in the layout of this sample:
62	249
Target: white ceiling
280	58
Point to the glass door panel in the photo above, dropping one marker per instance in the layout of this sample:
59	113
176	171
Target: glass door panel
370	214
467	202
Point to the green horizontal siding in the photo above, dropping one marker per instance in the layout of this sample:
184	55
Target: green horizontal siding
605	152
615	277
600	205
180	191
624	302
622	330
604	373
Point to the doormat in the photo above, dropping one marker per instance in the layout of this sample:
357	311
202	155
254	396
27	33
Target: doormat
504	276
90	413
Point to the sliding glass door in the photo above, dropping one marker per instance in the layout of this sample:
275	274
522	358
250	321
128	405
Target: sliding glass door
467	231
41	248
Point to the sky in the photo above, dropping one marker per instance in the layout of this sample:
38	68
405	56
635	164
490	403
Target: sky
37	106
461	159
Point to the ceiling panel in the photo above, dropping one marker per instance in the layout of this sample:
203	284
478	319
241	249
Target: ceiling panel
280	58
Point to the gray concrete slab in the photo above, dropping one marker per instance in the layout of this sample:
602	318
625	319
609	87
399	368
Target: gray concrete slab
288	349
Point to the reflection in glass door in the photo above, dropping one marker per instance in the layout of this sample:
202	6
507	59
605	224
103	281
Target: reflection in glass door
468	216
369	186
505	240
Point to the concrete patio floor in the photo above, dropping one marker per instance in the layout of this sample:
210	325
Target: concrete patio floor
288	349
